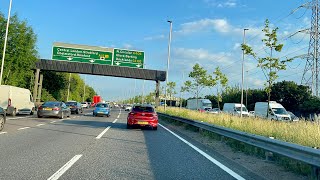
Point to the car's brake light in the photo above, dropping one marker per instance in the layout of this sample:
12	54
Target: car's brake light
40	108
56	109
132	113
155	114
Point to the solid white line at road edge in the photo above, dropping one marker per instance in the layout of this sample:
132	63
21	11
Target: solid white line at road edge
223	167
65	167
115	121
102	133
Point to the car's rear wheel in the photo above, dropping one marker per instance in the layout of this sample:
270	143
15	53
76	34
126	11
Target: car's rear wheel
1	122
129	126
108	115
39	116
155	128
77	111
62	115
14	112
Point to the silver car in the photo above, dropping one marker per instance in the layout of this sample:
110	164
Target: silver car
54	109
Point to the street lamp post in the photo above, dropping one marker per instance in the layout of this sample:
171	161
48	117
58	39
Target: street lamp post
167	74
242	72
5	42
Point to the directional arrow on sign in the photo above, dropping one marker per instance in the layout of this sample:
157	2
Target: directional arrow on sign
69	58
91	60
138	65
117	63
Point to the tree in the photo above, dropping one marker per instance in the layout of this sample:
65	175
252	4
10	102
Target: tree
199	80
290	94
269	63
171	88
221	80
21	52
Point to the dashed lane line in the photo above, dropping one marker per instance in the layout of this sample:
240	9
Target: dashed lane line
102	133
23	128
115	120
24	117
65	167
3	132
40	125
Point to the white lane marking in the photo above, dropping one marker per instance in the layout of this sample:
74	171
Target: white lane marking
23	128
18	118
65	167
40	125
118	116
115	121
53	122
3	132
102	133
223	167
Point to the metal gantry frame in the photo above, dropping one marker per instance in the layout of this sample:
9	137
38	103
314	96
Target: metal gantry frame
94	69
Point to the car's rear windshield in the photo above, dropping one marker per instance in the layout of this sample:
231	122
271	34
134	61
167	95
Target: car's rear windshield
102	105
71	103
51	104
143	109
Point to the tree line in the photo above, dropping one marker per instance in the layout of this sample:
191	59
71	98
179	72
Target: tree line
21	55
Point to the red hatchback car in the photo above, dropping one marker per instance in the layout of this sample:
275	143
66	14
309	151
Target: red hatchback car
142	116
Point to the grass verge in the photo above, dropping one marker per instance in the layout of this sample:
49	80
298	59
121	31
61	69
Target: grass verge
305	133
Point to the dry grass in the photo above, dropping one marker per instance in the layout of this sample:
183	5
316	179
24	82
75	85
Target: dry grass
303	132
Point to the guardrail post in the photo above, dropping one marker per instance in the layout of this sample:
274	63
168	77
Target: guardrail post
36	83
157	93
315	173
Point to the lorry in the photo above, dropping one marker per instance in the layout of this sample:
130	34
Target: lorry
199	104
275	111
16	100
96	99
235	109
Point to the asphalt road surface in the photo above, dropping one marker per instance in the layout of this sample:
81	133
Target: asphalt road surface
86	147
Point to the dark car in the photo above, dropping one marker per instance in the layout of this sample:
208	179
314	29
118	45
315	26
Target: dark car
75	107
142	116
2	118
53	109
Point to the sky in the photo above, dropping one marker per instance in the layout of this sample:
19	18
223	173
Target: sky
208	32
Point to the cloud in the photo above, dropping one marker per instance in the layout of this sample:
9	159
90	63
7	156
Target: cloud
157	37
219	25
127	46
222	4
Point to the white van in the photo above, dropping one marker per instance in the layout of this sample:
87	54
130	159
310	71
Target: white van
276	111
235	109
199	104
16	100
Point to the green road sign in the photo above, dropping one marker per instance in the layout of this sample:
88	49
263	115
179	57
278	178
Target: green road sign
81	53
128	58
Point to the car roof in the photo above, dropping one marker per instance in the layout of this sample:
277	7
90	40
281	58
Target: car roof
143	105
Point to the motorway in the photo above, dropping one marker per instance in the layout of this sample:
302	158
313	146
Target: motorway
86	147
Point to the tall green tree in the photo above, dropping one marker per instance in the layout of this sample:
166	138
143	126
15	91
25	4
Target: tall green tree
270	64
171	90
199	80
21	52
222	81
